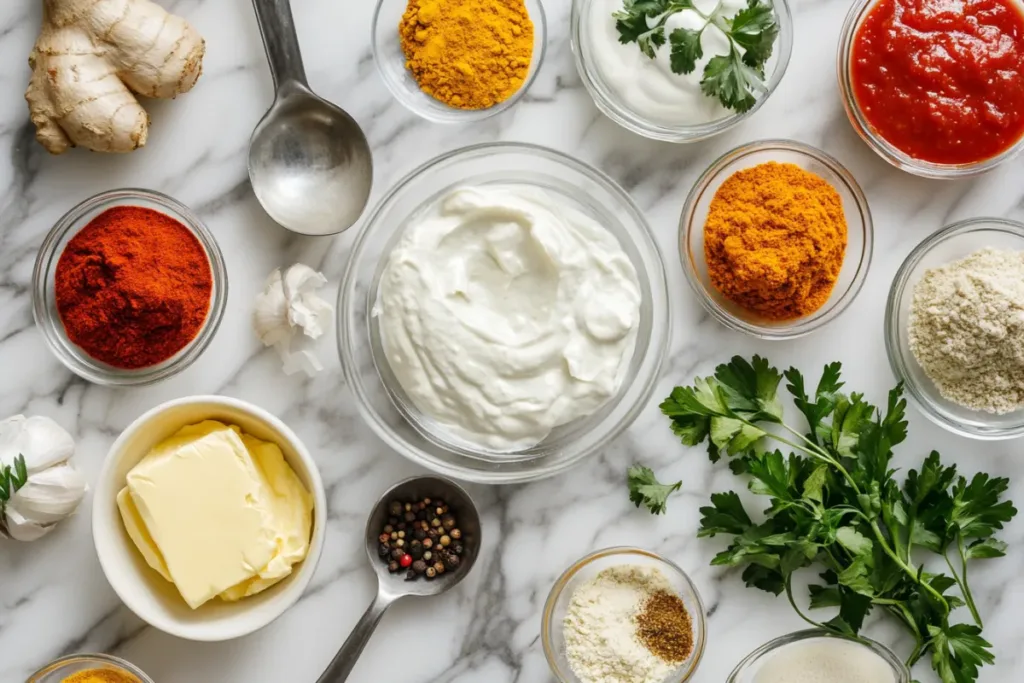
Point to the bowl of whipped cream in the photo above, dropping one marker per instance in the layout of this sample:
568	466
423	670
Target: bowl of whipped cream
504	313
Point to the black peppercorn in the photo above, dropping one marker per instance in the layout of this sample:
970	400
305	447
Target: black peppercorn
419	566
394	508
416	551
392	566
388	528
451	561
392	521
383	550
456	534
457	548
410	516
448	521
396	554
419	534
410	575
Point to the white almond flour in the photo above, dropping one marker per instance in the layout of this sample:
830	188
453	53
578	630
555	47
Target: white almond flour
601	643
967	329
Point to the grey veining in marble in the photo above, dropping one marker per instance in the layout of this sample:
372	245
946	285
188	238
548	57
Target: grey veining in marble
53	596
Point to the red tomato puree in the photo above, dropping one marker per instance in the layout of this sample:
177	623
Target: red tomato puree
942	80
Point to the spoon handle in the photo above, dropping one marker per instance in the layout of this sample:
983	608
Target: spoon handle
342	664
280	41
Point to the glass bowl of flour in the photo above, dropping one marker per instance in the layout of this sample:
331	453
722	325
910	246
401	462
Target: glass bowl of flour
590	626
954	327
504	313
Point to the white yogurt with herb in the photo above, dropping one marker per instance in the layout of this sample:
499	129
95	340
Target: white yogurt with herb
504	314
824	659
648	87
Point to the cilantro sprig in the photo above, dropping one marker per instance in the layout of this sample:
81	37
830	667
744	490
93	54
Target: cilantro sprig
836	505
735	78
10	481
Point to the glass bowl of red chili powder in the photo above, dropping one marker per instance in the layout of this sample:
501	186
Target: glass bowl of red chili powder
129	288
934	87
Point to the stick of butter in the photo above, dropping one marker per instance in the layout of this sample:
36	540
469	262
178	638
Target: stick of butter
217	512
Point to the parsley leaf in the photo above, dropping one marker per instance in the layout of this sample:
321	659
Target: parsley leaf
731	81
836	504
644	489
755	29
686	49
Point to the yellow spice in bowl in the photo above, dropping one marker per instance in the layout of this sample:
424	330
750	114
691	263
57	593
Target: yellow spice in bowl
101	676
217	512
469	54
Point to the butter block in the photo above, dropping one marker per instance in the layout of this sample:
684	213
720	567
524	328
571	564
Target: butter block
217	512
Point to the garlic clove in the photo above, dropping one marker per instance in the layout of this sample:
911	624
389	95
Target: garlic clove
288	304
20	529
305	308
49	496
270	315
39	439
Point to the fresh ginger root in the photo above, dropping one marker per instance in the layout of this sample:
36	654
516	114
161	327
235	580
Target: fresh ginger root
89	58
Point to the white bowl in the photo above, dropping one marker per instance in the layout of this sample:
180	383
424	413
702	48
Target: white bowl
154	599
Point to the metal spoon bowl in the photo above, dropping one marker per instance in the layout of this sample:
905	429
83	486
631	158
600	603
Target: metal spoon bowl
309	162
391	587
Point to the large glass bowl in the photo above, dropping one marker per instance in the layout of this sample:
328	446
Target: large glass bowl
65	667
378	395
844	66
859	230
949	244
387	54
748	669
44	301
619	111
557	605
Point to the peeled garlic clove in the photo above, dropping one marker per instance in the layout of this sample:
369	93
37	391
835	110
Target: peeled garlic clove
270	316
305	308
20	529
287	305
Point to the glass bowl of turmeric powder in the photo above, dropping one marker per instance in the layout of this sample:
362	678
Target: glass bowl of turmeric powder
456	61
95	668
776	238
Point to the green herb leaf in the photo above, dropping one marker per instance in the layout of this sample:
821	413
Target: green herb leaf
977	512
958	651
686	50
645	489
727	516
986	549
755	29
731	81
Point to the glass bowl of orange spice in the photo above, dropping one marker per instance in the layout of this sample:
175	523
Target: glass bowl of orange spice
775	238
458	61
129	288
89	669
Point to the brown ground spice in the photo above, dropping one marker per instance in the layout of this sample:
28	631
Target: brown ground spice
665	628
101	676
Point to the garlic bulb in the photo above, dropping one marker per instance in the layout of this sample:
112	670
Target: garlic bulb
54	487
289	305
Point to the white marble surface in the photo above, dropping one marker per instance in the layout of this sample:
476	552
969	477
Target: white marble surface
53	597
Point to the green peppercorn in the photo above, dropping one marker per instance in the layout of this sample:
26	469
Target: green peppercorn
446	541
431	572
401	534
428	556
400	543
388	528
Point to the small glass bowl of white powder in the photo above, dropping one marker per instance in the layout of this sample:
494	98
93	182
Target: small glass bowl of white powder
954	327
590	624
817	655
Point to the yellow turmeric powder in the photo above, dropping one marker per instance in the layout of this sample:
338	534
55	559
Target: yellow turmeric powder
101	676
774	240
469	54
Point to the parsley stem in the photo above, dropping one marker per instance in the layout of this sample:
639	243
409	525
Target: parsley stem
961	579
800	613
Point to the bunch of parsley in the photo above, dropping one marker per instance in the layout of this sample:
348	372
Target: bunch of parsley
836	505
735	78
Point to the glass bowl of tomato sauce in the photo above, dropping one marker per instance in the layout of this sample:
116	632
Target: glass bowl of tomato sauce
933	87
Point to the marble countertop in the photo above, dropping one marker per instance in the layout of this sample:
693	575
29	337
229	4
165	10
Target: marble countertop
54	599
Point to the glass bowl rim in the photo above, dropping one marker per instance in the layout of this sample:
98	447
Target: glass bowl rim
800	326
899	363
460	116
882	147
657	348
87	657
88	368
561	583
898	667
680	133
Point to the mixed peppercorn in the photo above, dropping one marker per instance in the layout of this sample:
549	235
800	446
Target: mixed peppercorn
422	537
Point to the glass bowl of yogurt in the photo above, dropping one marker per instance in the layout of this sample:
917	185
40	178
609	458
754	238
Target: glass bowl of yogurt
819	655
644	95
504	313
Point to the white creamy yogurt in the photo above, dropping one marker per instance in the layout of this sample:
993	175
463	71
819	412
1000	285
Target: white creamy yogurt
504	314
824	660
648	86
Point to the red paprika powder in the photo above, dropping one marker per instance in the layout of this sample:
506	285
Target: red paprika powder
133	287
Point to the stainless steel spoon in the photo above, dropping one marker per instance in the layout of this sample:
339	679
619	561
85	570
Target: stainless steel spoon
391	587
309	162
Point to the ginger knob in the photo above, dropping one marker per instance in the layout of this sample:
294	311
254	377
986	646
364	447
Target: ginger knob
89	59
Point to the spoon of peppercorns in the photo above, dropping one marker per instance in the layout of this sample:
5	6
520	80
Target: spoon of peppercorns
422	539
